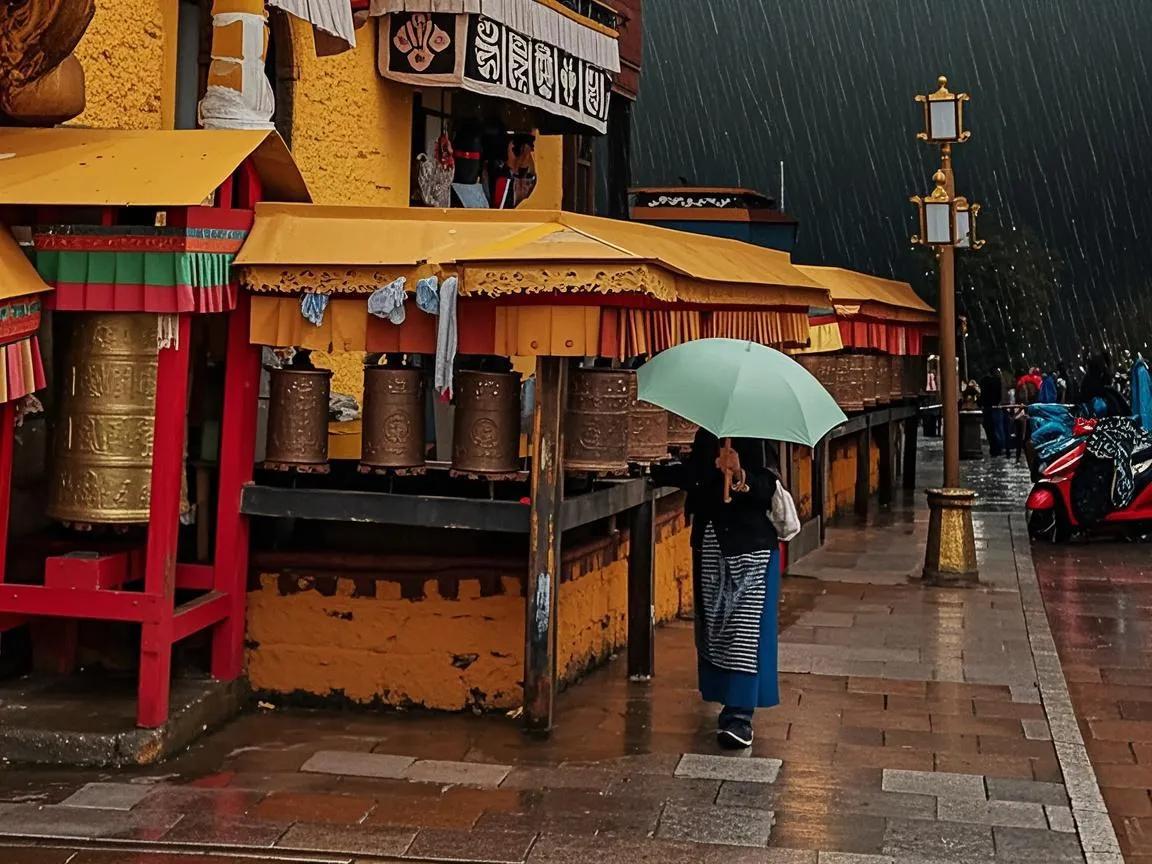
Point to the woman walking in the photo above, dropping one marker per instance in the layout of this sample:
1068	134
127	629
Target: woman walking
736	577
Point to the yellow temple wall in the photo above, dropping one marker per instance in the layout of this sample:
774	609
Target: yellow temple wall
129	59
309	642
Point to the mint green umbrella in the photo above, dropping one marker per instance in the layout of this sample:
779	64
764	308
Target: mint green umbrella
738	389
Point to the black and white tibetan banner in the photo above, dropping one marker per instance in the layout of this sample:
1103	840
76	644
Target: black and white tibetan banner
476	53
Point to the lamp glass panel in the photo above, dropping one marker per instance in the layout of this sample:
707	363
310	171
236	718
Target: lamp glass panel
963	229
942	120
939	223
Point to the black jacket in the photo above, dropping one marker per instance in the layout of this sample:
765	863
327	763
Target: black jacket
742	525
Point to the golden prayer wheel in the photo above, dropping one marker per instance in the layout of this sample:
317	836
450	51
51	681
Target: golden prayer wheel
102	455
681	432
596	422
298	420
393	418
896	381
647	428
882	371
486	429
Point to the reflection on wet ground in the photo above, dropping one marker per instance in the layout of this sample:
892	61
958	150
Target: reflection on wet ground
910	728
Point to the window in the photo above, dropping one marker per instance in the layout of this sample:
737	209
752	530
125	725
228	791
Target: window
579	174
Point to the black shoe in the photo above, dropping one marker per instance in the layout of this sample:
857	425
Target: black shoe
735	735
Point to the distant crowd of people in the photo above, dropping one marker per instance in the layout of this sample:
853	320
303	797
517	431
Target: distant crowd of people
1102	390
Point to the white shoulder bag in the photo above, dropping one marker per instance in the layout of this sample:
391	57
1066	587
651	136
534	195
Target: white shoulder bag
783	515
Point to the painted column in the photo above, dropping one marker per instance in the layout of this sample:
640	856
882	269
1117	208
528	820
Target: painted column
239	94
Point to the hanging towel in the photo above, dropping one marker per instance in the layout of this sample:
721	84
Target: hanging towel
428	295
312	306
446	337
388	302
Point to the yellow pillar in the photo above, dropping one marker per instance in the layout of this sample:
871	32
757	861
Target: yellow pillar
239	95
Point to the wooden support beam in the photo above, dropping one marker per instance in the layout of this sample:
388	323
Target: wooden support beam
911	429
156	633
7	448
863	472
642	591
887	482
547	488
820	483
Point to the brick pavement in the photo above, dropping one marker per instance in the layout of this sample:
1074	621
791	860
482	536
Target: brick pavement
915	726
1098	597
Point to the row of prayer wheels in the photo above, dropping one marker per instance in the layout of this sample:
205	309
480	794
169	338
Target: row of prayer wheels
606	427
861	381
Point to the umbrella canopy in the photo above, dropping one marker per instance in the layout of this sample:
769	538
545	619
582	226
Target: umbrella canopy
738	389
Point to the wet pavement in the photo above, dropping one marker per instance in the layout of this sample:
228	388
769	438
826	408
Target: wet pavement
916	725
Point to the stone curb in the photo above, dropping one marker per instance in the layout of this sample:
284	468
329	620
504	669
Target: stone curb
1094	827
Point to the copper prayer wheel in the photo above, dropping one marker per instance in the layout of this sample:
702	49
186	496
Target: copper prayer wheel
896	381
647	428
298	420
486	429
102	452
849	373
393	418
882	371
681	432
864	371
596	422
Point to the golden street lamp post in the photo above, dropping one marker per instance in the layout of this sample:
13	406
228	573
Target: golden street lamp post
948	223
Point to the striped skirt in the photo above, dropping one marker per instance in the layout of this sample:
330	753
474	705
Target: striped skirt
736	598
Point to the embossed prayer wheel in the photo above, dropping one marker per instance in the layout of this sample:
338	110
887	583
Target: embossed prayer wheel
681	432
596	422
852	381
486	429
864	371
882	370
896	381
298	420
393	418
102	452
647	428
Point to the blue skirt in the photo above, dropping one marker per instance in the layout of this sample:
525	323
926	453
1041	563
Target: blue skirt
760	689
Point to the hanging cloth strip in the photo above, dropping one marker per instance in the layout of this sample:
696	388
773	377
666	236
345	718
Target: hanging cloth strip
446	337
388	301
334	17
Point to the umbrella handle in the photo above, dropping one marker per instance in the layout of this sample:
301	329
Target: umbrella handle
727	475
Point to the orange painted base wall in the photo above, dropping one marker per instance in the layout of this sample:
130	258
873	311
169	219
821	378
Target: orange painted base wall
840	494
329	638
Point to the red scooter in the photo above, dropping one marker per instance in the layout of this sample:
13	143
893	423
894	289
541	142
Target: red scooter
1074	493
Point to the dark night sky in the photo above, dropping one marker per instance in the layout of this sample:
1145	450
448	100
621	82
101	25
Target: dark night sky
1060	156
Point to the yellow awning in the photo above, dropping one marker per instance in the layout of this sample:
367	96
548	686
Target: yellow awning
68	166
18	278
507	252
860	290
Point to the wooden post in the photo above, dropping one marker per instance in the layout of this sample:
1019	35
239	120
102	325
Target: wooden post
237	454
163	529
547	487
911	427
863	471
642	591
820	483
887	483
7	448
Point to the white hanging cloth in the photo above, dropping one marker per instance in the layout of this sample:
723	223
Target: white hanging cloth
333	17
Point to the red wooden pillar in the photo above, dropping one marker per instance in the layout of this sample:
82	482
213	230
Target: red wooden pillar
163	530
237	454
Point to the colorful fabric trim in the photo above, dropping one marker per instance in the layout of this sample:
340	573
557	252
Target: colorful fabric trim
128	238
21	369
19	318
161	282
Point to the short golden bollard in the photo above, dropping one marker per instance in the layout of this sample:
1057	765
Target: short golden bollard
951	554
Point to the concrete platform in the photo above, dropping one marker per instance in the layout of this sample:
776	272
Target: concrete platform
90	721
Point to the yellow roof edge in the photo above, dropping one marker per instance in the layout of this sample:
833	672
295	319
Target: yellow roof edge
844	283
18	276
